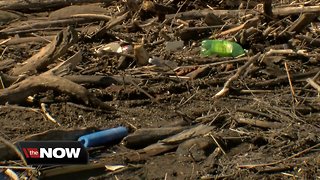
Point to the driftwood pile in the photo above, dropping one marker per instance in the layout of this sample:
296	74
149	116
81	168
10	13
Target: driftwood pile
264	107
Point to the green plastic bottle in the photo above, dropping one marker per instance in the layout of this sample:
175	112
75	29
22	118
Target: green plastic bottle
221	48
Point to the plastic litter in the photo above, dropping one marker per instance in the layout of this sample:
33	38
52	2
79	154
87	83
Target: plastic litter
114	47
103	137
221	48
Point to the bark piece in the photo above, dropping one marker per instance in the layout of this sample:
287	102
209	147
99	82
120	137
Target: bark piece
48	54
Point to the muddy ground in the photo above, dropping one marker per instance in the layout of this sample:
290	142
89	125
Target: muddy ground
288	148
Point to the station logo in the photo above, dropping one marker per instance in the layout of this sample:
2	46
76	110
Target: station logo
53	152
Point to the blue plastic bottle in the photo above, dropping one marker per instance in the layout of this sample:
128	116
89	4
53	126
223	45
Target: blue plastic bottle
103	137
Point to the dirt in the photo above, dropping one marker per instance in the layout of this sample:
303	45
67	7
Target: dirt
180	102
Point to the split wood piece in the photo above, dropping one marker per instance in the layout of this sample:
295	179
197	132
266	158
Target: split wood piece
309	40
44	5
285	11
260	123
17	93
199	130
22	40
303	21
284	79
146	136
48	54
66	66
54	24
248	24
50	135
112	23
147	152
240	71
169	143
